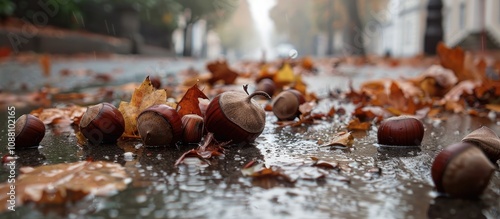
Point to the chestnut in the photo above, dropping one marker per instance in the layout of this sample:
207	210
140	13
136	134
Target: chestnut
102	123
486	140
286	104
267	85
400	131
192	126
235	116
159	125
29	131
461	170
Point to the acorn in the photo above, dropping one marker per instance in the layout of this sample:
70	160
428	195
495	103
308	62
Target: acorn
267	85
192	126
235	116
159	125
461	170
29	131
487	141
400	131
286	104
102	123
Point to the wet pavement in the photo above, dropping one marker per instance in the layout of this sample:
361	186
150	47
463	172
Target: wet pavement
369	183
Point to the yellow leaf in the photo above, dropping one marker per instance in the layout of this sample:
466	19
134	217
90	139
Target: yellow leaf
493	107
144	96
300	85
284	76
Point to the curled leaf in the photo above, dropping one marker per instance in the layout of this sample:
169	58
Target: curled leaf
190	102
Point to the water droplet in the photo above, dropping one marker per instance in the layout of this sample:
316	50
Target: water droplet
140	198
128	156
293	54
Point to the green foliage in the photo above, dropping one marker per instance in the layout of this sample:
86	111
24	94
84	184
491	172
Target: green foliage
7	7
213	11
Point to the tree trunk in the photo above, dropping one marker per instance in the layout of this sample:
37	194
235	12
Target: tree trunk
353	37
329	47
188	42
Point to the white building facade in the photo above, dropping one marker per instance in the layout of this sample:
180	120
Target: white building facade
403	29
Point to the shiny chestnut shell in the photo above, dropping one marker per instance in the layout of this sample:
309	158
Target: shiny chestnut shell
400	131
286	104
102	123
193	128
236	117
159	125
29	131
461	170
267	85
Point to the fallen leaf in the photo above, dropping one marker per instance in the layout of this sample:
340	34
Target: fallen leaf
45	64
355	124
61	116
144	96
5	52
61	183
343	139
190	103
284	76
299	85
209	149
221	72
493	107
307	63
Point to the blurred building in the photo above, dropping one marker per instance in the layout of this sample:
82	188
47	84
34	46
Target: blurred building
472	24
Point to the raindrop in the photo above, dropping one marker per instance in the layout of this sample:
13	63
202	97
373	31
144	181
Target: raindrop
293	54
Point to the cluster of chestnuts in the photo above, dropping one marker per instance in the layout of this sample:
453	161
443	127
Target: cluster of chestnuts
230	116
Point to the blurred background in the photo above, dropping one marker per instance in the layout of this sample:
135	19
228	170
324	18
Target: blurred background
248	29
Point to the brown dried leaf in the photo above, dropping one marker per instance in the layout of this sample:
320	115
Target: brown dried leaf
69	115
209	149
343	139
61	183
189	104
355	124
45	65
144	96
221	71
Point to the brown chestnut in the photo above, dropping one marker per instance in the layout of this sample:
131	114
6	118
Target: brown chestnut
102	123
267	85
486	140
235	116
192	126
29	131
400	131
159	125
461	170
286	104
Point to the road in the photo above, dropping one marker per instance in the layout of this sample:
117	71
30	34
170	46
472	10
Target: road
369	183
